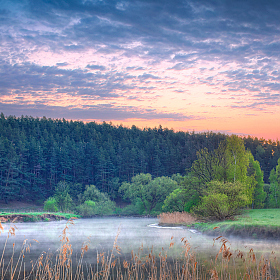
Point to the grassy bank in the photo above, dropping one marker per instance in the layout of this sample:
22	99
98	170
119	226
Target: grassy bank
254	223
34	216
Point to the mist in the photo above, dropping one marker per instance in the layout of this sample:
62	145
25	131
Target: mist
129	233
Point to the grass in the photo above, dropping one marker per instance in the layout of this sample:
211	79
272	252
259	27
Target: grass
226	264
257	223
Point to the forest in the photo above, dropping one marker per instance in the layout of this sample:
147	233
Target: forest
39	156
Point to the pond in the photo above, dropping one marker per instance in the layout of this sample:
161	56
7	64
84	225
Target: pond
129	233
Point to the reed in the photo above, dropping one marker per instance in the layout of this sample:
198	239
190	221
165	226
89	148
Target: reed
140	265
182	218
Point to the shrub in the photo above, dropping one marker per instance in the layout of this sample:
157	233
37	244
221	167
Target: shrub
93	202
90	203
50	205
222	200
86	210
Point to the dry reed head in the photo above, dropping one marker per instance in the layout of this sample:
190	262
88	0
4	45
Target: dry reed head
176	218
1	228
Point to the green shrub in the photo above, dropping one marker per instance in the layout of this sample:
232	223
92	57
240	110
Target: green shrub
90	203
131	210
50	205
86	210
222	200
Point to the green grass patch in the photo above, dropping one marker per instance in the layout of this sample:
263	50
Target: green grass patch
253	222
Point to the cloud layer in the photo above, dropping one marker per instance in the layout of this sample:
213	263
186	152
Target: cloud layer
192	65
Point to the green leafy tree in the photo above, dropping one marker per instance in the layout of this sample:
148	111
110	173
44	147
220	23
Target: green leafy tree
231	163
62	197
175	201
150	192
255	174
205	166
238	159
274	190
186	196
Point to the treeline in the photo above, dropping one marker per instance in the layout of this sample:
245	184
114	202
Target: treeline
36	154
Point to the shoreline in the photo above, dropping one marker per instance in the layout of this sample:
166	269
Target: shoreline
245	231
34	217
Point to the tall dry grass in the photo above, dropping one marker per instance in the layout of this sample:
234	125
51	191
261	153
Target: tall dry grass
227	264
176	218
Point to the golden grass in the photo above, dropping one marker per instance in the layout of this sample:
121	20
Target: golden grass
151	266
176	218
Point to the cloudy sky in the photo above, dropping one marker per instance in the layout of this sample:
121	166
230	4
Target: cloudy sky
201	65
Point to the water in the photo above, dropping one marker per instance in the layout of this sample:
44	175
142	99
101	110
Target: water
131	233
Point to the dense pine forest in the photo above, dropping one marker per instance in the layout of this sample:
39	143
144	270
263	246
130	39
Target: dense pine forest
38	153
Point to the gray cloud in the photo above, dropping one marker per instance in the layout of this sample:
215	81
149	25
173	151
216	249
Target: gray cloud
182	33
105	112
207	28
31	78
96	67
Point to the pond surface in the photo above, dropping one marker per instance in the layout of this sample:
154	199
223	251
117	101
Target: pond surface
131	234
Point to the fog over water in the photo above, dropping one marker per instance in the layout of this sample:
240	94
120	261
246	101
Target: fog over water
132	233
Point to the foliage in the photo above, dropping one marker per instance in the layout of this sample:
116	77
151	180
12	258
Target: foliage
254	171
149	191
93	202
238	159
205	166
62	197
186	196
175	201
134	209
50	205
274	189
222	200
229	163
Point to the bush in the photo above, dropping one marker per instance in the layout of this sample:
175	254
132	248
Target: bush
131	210
94	202
222	200
50	205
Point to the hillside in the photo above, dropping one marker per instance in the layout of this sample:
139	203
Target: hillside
35	154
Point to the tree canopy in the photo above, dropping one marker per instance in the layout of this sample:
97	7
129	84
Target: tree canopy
149	191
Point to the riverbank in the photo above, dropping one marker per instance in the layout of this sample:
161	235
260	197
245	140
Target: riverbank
34	217
253	223
17	212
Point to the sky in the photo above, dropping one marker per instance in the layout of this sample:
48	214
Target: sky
201	65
